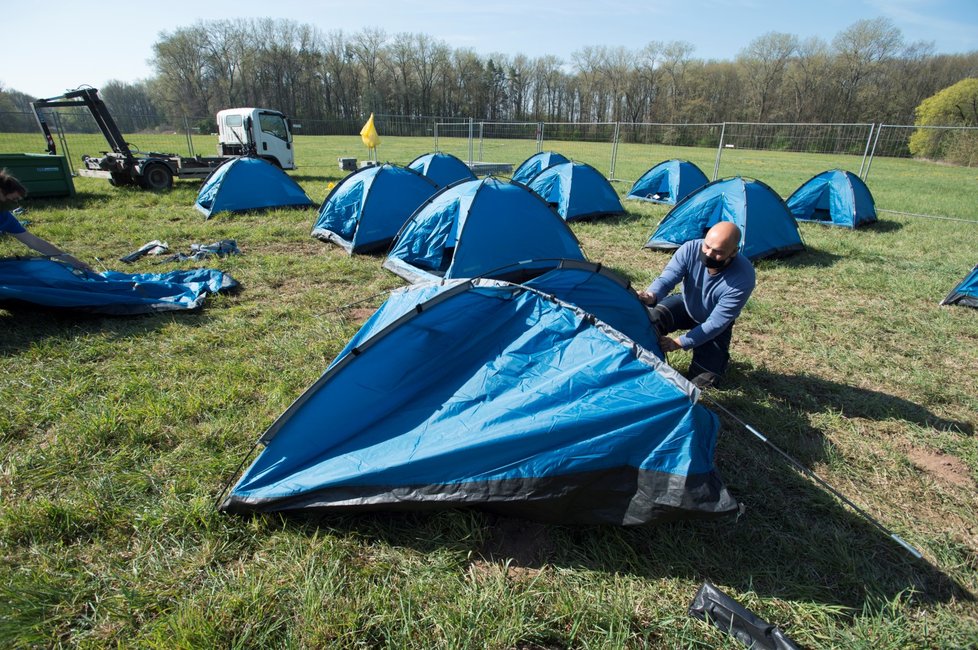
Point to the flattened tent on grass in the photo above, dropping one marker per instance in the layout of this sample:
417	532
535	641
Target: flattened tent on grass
767	227
834	197
669	182
536	164
474	227
577	191
966	293
488	394
364	211
42	282
443	168
245	184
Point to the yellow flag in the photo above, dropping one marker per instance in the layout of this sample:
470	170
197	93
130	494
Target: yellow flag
369	134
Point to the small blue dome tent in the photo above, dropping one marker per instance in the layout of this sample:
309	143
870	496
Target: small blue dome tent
536	164
482	393
46	283
766	225
244	184
834	197
474	227
364	211
966	293
577	191
669	182
443	168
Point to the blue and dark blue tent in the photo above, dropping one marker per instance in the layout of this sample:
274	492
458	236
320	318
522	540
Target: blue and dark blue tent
834	197
474	227
443	168
577	191
42	282
244	184
669	182
966	293
536	164
766	225
481	393
364	211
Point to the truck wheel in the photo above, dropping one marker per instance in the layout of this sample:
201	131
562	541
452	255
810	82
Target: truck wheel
156	177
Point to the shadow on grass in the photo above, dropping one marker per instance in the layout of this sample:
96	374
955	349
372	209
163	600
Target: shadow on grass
810	257
26	325
883	226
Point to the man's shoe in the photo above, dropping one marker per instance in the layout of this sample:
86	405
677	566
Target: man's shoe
706	380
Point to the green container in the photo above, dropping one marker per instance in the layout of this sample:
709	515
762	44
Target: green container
42	174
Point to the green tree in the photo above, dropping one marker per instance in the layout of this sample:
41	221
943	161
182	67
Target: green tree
956	105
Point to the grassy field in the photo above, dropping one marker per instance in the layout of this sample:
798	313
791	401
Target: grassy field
119	433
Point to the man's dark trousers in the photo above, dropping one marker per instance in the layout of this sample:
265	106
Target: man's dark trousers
713	356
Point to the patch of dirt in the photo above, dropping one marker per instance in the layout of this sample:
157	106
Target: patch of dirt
945	468
360	314
525	545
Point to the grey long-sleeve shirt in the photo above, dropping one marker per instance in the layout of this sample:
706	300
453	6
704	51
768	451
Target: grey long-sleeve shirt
713	301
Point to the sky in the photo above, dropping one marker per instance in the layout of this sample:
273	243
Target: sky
56	45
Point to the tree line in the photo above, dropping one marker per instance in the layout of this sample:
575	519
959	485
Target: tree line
867	73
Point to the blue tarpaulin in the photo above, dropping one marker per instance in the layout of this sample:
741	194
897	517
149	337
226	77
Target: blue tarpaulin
48	283
485	393
966	293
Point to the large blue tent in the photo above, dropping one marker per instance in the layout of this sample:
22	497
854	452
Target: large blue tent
443	168
966	293
767	227
43	282
669	182
494	395
536	164
834	197
364	211
244	184
474	227
577	191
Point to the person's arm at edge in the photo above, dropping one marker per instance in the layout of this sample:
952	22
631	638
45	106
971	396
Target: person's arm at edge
46	248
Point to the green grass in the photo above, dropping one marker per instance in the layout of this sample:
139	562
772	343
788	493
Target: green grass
118	434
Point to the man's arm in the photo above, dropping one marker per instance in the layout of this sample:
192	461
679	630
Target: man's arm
46	248
725	313
672	275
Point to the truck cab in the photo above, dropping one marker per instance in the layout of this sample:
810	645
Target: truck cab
266	132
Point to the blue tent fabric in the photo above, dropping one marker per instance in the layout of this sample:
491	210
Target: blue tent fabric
577	191
43	282
536	164
364	211
474	227
547	414
766	225
834	197
966	293
249	184
443	168
668	183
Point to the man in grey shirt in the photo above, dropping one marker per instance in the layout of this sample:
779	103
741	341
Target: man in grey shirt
716	285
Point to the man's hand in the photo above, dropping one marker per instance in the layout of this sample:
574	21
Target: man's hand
669	344
647	298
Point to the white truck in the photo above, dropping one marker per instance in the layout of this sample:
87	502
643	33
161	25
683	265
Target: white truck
258	132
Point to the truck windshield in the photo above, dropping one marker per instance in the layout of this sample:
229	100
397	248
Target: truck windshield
273	125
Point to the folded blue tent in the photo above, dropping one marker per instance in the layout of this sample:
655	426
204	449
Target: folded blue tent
536	164
835	197
669	182
43	282
766	225
443	168
364	211
244	184
474	227
494	395
966	293
577	191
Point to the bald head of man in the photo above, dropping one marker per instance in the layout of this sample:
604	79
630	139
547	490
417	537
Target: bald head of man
720	246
